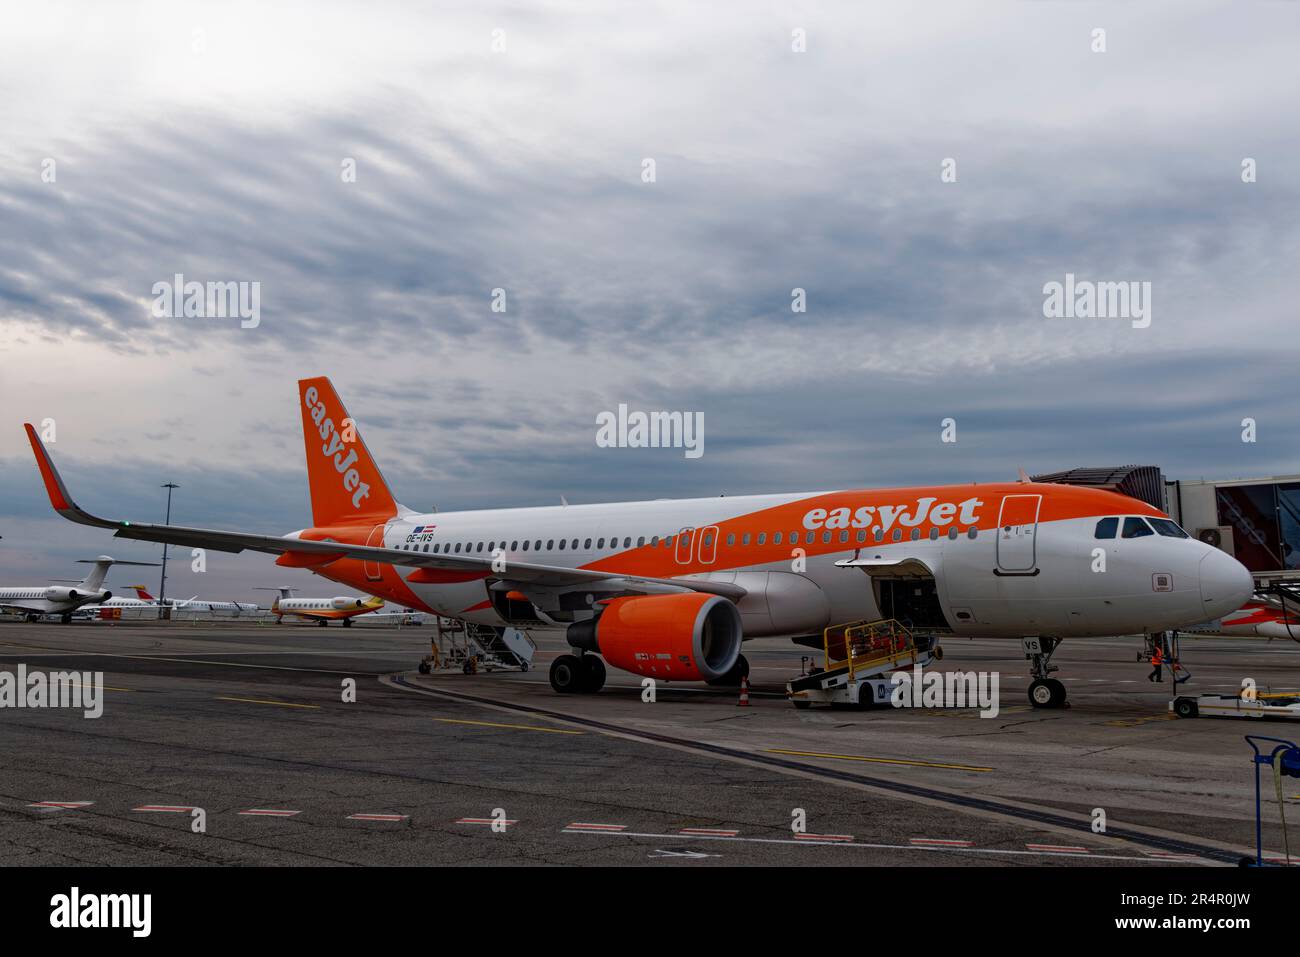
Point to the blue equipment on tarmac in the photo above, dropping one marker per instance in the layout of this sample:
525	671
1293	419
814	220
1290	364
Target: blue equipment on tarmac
1284	759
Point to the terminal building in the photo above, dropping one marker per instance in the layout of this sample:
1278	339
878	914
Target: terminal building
1257	521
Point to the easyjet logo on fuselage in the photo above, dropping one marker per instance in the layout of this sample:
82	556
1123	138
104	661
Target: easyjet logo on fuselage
333	448
885	516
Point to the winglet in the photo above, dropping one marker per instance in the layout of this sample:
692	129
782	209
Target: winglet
60	499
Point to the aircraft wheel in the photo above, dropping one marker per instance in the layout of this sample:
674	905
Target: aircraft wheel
65	619
322	623
347	622
1046	693
425	668
802	705
593	674
1186	708
732	678
566	674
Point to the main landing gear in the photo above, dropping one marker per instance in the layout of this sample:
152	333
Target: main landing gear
733	677
1044	691
577	674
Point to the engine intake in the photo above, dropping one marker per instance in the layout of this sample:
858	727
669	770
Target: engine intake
686	637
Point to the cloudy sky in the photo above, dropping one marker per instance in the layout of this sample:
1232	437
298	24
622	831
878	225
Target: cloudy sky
502	146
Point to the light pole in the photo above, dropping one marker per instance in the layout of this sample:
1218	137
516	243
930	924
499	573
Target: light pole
162	585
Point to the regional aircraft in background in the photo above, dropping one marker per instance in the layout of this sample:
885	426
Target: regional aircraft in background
671	588
36	601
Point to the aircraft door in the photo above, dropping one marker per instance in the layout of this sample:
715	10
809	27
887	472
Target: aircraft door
684	545
1017	533
375	539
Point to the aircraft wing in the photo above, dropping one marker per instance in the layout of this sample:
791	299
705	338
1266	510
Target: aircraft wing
551	576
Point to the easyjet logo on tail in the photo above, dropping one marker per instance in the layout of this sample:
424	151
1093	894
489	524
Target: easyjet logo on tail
887	515
334	447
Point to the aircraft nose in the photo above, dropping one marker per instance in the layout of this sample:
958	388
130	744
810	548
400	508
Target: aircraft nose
1226	584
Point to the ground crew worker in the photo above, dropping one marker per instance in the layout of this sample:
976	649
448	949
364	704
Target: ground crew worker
1157	664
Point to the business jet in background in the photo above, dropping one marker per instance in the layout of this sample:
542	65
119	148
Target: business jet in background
324	610
36	601
671	588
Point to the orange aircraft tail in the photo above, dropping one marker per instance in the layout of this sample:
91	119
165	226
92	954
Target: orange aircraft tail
346	485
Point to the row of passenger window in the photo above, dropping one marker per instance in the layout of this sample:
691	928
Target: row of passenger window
777	538
1137	527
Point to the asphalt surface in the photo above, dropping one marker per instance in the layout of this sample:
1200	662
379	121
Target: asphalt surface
232	718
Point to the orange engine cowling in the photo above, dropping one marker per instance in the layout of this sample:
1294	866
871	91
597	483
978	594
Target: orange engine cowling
686	637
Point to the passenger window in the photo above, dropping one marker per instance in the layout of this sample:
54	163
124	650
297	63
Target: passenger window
826	537
458	548
844	536
880	534
708	539
744	539
600	543
654	541
526	546
731	539
1106	527
916	534
934	533
898	534
627	542
812	537
862	535
1135	527
561	544
952	534
972	532
514	546
762	538
1168	528
641	541
537	545
550	544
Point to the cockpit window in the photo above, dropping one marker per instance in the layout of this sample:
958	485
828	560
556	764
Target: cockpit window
1107	527
1168	528
1135	527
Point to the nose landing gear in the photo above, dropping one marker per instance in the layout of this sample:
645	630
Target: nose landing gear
1044	691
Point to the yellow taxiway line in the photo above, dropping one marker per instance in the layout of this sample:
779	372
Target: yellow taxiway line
282	704
516	727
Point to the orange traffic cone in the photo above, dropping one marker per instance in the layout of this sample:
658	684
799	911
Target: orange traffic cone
744	693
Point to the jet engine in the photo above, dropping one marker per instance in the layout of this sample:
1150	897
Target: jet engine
57	593
343	604
685	637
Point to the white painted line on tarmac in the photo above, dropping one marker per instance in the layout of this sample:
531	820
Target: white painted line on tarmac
835	840
484	820
163	809
61	805
939	842
708	832
377	817
269	812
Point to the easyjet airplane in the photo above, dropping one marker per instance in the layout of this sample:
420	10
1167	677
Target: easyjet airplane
671	588
1255	618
